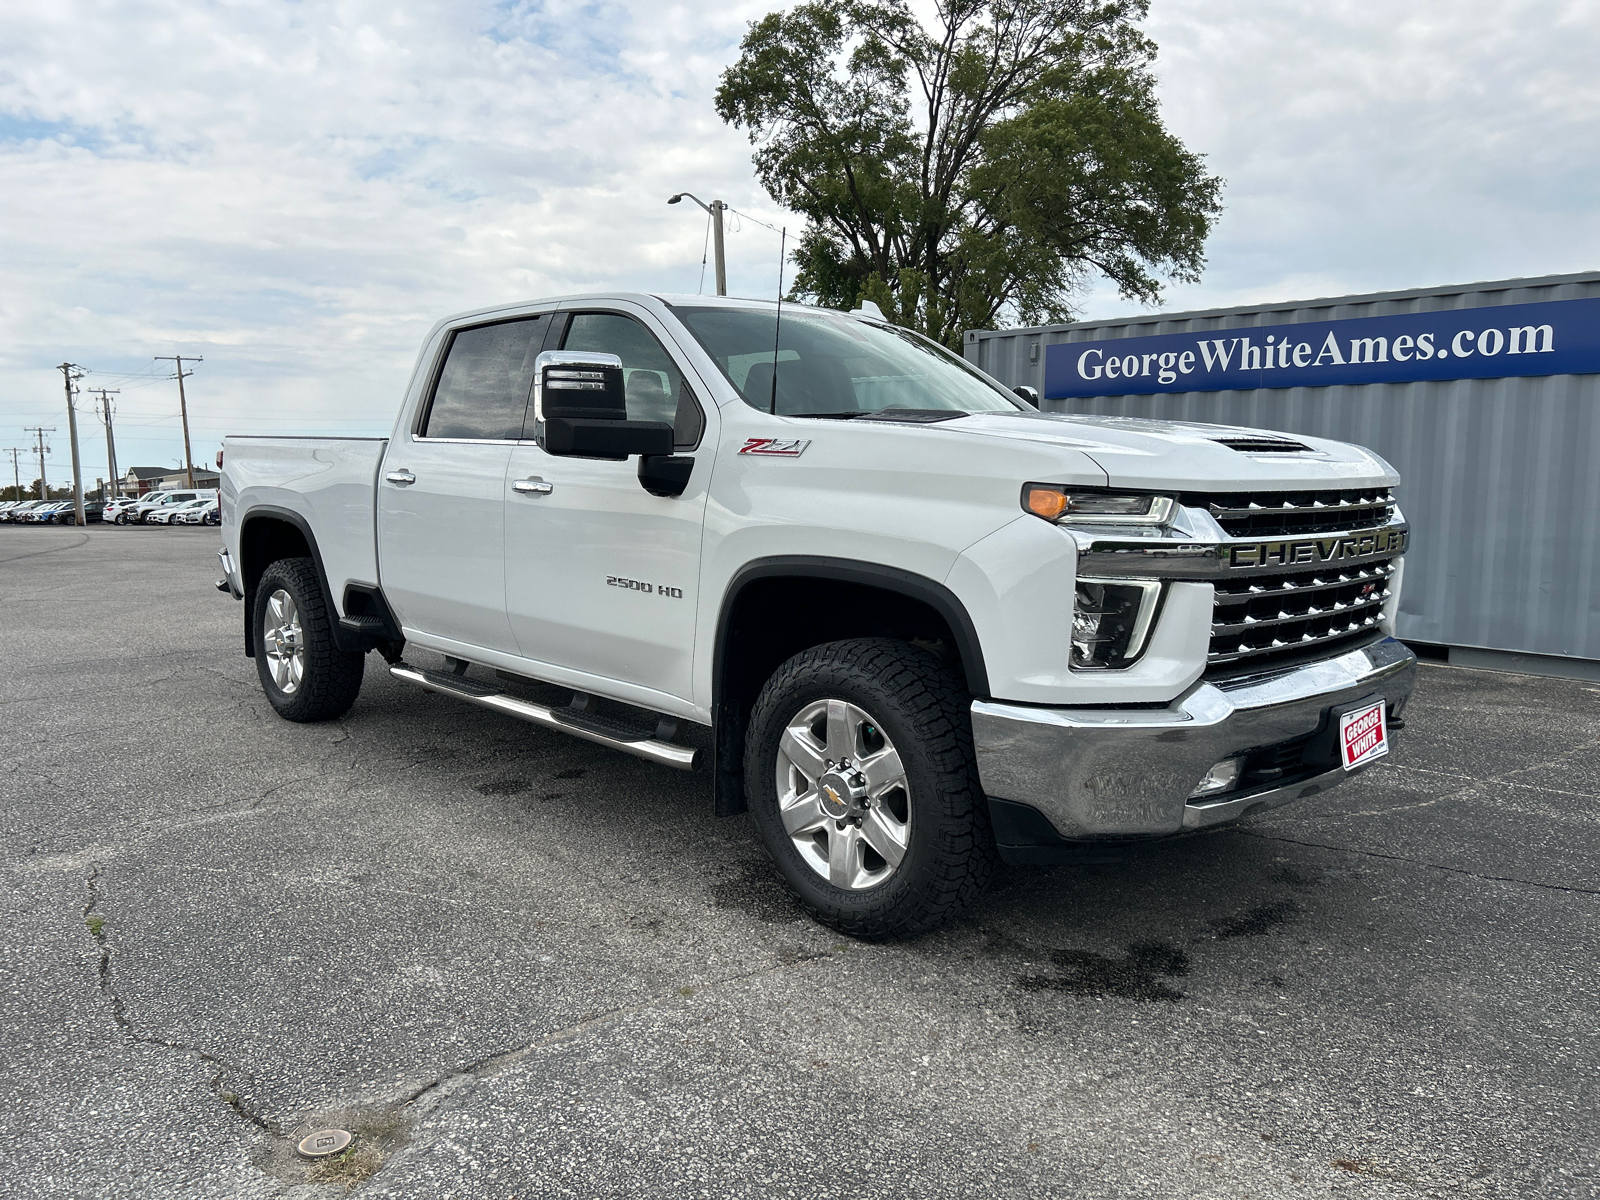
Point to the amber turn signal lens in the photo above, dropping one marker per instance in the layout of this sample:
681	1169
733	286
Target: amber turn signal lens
1045	502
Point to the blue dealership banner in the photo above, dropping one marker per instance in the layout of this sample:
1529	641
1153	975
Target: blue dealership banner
1558	337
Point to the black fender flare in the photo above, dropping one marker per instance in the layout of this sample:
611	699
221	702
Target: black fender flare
343	638
728	722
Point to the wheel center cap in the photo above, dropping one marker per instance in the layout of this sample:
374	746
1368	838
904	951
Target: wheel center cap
839	798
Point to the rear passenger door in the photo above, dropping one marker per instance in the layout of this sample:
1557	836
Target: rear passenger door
441	490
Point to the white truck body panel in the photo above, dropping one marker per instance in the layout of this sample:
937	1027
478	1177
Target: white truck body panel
328	482
527	583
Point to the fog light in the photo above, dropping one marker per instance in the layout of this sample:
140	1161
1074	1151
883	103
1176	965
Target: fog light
1110	622
1223	777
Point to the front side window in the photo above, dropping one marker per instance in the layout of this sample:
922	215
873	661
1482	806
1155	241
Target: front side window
819	364
483	389
654	387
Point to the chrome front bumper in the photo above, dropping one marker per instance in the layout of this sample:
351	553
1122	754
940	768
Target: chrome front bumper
1115	773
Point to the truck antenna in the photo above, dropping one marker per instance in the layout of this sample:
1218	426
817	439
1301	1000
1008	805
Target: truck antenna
777	324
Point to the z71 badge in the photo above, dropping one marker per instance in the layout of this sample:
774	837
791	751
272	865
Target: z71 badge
775	447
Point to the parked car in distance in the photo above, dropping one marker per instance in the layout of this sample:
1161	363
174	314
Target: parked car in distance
157	501
19	510
48	514
169	514
117	509
201	512
93	512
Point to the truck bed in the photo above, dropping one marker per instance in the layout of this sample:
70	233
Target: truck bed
329	483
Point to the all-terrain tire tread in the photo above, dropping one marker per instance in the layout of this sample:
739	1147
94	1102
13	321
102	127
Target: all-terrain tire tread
332	679
932	700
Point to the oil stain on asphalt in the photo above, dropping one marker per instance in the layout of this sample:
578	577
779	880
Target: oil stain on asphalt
1135	976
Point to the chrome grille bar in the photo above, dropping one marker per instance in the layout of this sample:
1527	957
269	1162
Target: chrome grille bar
1267	513
1272	617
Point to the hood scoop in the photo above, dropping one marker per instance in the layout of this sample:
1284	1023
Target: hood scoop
1262	444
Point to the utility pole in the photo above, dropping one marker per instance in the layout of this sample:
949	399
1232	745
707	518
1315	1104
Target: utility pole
715	209
111	441
70	373
183	406
16	471
44	488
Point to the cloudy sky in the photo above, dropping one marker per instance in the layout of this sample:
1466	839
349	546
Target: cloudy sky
296	191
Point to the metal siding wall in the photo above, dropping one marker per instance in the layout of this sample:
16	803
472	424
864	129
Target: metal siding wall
1501	476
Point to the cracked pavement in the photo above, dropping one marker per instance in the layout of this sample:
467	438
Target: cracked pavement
521	965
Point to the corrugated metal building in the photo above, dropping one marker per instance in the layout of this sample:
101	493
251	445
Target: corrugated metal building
1485	397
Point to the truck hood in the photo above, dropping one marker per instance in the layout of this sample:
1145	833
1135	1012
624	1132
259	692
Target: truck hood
1151	454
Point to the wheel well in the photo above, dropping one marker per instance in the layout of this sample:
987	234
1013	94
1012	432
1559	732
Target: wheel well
263	541
773	616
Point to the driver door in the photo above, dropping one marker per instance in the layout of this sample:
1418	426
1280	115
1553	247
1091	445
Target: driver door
601	576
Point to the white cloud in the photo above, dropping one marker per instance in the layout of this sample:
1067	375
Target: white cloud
296	191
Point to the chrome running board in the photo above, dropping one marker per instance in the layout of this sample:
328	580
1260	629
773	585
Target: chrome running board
668	754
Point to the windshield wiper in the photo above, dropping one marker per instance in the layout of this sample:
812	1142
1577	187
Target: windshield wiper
838	416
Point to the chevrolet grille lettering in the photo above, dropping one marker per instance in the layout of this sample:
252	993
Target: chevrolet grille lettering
1318	550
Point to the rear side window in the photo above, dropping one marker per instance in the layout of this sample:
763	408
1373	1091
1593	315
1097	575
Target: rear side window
654	386
483	389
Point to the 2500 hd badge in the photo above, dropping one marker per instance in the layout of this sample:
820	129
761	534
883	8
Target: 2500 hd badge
637	585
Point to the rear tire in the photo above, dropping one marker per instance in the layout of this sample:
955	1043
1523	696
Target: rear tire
303	672
876	698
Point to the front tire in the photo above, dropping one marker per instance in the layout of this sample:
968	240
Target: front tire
863	785
303	672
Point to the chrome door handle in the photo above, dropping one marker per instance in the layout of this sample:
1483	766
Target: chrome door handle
402	477
532	487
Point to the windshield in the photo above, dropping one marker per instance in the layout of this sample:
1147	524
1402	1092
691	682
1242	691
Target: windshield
830	365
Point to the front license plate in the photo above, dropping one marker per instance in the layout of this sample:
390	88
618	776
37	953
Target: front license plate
1363	735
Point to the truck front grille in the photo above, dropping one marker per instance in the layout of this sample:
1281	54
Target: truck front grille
1266	514
1274	619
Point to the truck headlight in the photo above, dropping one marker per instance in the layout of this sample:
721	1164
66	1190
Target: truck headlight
1075	506
1111	622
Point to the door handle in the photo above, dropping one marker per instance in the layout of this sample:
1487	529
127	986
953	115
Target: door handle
532	487
402	477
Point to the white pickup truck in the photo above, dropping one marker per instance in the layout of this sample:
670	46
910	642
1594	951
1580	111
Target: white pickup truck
926	624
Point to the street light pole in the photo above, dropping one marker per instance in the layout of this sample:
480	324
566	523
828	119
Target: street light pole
715	209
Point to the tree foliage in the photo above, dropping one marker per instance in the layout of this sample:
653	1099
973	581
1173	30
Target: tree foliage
982	167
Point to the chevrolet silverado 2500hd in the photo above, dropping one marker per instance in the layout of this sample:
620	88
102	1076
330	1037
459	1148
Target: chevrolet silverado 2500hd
926	624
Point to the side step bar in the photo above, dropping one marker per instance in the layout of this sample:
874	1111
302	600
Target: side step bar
668	754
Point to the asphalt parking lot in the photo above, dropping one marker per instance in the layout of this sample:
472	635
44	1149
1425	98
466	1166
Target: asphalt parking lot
521	966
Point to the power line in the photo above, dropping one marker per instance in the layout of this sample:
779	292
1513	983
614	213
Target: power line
758	221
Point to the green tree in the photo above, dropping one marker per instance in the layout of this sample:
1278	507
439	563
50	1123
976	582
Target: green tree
985	167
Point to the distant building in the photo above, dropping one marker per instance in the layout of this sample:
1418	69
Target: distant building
180	479
141	480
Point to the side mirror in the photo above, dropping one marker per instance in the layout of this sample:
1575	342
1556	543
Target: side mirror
1031	395
580	409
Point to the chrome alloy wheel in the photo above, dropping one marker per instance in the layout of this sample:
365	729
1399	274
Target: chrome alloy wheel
285	645
843	795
